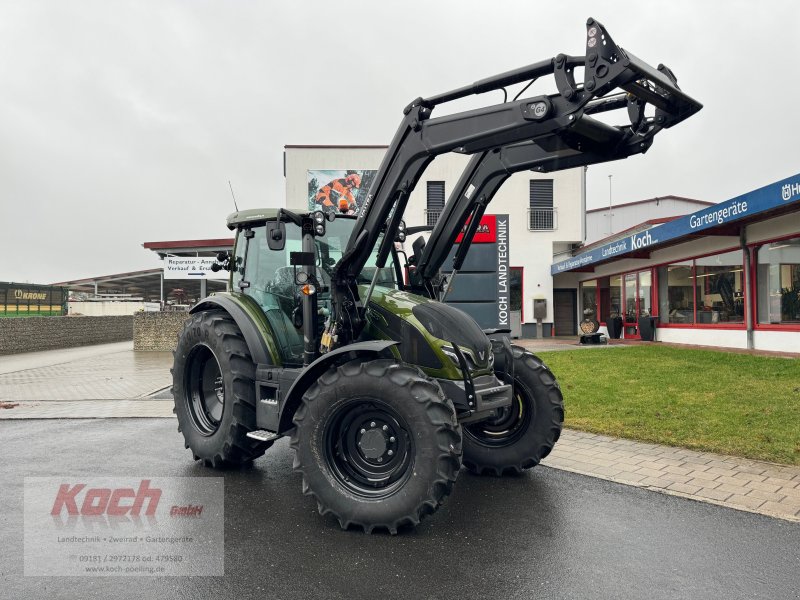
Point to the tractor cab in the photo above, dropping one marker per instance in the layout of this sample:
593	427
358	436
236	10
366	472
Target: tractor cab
262	269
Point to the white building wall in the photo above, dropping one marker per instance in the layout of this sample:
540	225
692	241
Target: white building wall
109	308
447	168
726	338
777	227
630	215
779	341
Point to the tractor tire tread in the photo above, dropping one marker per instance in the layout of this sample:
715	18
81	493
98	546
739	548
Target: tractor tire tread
234	447
553	409
439	413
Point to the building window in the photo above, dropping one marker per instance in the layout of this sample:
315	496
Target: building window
515	289
589	299
676	293
705	291
778	282
541	214
720	288
435	202
615	296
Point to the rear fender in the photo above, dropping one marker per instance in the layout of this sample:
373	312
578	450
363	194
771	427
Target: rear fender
360	350
254	334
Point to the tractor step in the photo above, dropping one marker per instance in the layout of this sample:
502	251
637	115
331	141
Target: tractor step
262	435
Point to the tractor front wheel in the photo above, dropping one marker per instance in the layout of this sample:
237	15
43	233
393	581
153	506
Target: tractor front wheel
524	433
377	443
214	391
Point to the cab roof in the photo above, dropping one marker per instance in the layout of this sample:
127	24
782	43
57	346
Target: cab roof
259	215
251	215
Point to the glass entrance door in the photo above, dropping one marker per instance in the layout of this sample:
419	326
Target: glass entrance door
631	306
637	300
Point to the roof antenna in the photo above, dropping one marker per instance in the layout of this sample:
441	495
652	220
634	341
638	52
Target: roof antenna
234	196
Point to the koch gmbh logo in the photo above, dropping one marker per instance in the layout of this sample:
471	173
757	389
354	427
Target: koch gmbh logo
116	502
116	526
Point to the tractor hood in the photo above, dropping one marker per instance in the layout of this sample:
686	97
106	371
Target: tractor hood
427	330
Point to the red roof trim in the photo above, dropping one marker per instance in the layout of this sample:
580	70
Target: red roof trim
332	146
188	244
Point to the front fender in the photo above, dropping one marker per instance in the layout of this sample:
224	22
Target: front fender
359	350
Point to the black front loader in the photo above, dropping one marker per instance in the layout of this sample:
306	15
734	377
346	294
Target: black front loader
558	131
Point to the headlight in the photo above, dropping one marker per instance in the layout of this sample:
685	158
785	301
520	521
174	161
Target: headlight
470	360
451	354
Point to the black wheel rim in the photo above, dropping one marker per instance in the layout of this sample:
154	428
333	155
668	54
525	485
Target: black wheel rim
510	423
205	390
368	448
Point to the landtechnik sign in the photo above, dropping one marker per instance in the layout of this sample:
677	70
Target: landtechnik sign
503	292
770	197
482	286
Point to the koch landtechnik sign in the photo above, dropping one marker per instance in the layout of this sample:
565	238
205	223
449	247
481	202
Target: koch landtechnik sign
503	291
768	198
482	288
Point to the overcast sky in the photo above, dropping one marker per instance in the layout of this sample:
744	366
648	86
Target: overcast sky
122	122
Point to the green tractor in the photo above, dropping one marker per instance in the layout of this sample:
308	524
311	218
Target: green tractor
332	336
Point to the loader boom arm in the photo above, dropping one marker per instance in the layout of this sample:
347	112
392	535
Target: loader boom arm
549	132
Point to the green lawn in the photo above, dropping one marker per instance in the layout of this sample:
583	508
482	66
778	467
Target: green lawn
702	399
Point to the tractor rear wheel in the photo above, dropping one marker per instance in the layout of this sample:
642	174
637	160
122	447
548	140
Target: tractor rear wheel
214	390
523	433
377	443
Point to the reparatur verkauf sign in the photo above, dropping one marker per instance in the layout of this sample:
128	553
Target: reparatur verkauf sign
191	267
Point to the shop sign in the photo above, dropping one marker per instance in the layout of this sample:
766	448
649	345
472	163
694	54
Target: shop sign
789	191
486	232
762	200
191	267
503	291
23	295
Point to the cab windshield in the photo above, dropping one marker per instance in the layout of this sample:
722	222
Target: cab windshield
267	276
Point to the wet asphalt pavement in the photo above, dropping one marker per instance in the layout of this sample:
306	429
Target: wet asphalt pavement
546	534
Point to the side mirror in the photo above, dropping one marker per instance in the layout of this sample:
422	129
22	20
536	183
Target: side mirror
276	235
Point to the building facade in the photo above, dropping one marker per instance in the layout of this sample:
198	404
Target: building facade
608	221
727	275
546	217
